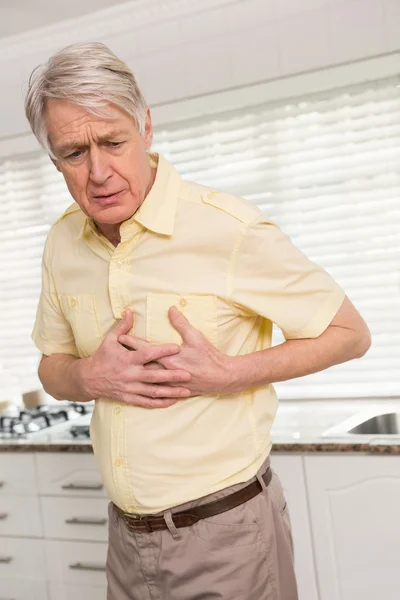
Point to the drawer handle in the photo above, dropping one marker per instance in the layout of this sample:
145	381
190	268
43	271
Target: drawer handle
86	567
5	560
3	517
78	521
83	486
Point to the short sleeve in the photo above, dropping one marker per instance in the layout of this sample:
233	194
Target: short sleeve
274	279
52	333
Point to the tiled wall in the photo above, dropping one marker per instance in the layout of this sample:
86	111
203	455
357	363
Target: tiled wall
178	55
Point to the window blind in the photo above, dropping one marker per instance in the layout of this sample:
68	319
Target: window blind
325	168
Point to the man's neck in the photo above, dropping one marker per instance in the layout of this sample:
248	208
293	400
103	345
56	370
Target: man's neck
112	230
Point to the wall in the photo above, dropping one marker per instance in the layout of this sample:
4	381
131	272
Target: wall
181	51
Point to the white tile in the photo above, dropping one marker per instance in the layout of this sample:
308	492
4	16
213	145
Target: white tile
250	13
391	10
205	24
303	42
208	65
255	55
289	8
161	75
158	37
356	30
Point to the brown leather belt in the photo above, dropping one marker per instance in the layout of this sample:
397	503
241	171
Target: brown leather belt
150	523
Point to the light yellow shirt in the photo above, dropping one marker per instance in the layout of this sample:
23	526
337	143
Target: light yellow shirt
232	273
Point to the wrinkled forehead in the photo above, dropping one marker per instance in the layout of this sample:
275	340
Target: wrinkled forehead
71	124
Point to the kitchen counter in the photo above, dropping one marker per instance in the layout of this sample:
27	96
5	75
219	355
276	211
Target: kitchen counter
300	426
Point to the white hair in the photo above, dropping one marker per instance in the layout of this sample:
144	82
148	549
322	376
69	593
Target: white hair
90	75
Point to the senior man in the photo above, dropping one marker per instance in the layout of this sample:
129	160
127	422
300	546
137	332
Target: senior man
191	279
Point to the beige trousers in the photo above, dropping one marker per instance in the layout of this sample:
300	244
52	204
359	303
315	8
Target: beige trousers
243	554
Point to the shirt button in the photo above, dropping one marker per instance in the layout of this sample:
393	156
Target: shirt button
119	264
117	410
183	303
118	462
73	302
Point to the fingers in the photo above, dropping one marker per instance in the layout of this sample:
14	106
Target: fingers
188	333
162	391
123	326
132	342
145	402
147	352
165	376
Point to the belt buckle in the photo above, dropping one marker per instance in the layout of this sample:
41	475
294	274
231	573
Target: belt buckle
140	519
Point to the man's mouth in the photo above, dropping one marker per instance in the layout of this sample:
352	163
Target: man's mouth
108	198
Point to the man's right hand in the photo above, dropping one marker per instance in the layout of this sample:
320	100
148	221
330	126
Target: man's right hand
116	373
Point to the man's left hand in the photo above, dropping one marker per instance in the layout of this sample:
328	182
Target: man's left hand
211	370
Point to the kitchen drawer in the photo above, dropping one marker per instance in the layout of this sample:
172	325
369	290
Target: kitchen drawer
68	475
21	557
62	591
78	563
13	589
75	518
17	473
20	516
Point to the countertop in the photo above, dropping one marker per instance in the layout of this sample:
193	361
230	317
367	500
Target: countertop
300	426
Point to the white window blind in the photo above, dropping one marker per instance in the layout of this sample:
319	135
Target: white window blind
325	168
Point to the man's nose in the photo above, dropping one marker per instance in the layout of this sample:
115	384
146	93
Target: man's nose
99	166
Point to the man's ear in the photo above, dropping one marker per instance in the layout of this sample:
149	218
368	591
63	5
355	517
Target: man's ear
55	163
148	132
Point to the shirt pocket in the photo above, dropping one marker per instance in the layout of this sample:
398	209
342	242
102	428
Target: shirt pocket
81	313
200	310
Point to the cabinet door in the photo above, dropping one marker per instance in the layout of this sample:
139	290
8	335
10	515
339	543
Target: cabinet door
290	471
17	473
65	591
75	518
21	558
76	563
15	589
20	516
69	475
354	502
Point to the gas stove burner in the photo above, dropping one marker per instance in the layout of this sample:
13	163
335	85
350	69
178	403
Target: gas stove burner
80	431
31	420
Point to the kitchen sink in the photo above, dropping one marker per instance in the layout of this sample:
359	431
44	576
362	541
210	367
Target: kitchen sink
387	424
368	423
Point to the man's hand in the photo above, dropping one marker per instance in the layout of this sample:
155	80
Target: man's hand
119	374
209	368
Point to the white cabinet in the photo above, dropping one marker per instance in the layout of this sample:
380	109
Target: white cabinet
75	518
22	559
290	470
66	591
76	563
14	589
17	474
22	562
354	503
20	516
69	475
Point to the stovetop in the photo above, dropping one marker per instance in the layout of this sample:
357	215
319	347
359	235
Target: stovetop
27	423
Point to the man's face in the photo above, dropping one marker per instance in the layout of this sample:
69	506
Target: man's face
104	161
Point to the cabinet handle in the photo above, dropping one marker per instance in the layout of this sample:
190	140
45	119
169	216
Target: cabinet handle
86	567
78	521
83	486
3	517
5	559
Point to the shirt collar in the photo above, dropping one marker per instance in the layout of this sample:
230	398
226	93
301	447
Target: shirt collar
158	210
